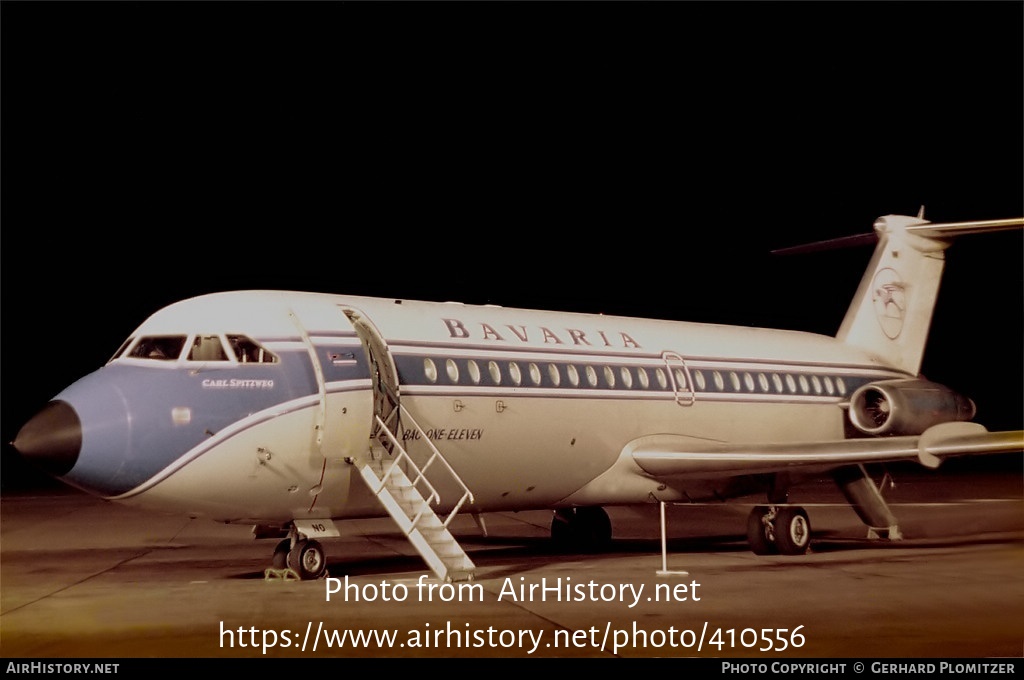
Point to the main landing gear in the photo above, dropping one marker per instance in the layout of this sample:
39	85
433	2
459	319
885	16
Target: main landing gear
302	555
585	529
778	529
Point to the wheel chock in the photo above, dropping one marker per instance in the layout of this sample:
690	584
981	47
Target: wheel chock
286	574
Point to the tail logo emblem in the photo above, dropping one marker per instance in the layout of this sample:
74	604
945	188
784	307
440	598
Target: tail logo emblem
890	301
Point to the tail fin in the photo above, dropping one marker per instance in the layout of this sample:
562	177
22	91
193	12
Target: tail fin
892	309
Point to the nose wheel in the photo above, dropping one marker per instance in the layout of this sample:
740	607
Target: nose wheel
280	560
784	530
307	559
303	556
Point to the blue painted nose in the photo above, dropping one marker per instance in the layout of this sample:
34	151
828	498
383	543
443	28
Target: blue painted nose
82	436
52	439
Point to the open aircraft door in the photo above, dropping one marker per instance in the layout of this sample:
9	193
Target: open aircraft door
383	374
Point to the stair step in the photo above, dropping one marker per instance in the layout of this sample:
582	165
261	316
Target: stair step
405	503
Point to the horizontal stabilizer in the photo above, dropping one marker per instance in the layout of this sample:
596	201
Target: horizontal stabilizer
830	244
947	230
954	229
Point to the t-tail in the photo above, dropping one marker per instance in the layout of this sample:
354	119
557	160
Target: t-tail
892	310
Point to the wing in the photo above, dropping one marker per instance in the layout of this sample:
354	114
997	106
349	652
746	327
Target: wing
668	456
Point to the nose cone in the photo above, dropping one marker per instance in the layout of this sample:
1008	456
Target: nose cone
52	439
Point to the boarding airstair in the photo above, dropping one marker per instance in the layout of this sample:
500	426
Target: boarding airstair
395	478
408	495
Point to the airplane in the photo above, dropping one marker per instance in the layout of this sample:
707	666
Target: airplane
293	411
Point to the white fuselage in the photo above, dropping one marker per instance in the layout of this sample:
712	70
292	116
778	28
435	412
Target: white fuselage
533	409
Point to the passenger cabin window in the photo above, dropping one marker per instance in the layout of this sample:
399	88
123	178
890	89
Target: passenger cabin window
430	369
207	348
159	347
249	351
554	374
700	380
662	380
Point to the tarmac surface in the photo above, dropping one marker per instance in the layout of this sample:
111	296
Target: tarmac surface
81	577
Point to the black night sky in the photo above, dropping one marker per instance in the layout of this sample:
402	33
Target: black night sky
627	158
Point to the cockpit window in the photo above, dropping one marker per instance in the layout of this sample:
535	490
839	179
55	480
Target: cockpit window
249	351
204	347
207	348
160	347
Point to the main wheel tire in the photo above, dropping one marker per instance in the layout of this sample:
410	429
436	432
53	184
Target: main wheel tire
758	533
563	529
585	529
280	560
307	559
792	531
593	528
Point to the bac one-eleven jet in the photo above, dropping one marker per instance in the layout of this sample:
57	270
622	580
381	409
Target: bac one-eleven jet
292	411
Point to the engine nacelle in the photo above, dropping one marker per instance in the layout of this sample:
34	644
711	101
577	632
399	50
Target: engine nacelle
906	407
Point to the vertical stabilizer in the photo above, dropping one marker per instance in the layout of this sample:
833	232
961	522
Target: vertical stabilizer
891	313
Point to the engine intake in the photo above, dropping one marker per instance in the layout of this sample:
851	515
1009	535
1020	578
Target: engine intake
906	407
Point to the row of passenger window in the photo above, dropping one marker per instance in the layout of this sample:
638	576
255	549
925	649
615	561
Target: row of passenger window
628	377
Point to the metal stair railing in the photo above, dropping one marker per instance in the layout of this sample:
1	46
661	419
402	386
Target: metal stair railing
420	472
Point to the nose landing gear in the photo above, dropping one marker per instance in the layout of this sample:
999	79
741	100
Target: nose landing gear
303	556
